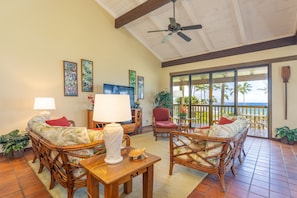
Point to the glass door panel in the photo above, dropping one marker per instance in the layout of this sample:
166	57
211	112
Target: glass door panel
222	94
253	98
180	88
200	100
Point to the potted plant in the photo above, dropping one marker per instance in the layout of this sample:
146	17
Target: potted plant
14	143
286	135
183	112
163	99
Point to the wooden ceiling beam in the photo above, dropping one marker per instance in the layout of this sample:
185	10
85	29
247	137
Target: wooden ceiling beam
287	41
139	11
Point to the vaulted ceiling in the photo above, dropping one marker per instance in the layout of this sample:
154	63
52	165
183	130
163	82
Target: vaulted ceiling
229	27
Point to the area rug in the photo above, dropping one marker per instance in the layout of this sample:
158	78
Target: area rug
180	184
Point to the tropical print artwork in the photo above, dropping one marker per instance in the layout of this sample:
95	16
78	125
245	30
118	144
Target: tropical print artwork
132	78
70	78
87	75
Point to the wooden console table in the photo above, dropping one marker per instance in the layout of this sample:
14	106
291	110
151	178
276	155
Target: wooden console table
112	175
134	127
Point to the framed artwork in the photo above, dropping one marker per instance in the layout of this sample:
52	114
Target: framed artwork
140	87
86	75
132	78
70	78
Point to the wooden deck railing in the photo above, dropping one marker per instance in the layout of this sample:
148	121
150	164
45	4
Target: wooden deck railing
200	115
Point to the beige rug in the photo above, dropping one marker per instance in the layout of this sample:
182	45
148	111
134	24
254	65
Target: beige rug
180	184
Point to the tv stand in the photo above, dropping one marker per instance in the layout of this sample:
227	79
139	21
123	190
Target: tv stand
134	127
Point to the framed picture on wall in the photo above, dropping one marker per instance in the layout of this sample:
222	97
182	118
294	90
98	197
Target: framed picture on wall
70	78
132	78
140	87
86	75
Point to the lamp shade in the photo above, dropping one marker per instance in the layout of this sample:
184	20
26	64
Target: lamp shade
112	108
44	103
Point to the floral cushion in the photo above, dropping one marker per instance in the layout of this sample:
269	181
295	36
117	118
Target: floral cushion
225	131
63	136
95	134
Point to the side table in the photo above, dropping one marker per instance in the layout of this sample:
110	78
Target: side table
112	175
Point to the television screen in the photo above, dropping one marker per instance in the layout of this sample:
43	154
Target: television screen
120	89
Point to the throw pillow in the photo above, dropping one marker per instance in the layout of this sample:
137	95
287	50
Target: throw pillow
58	122
224	120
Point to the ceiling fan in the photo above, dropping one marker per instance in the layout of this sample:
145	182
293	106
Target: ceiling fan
175	27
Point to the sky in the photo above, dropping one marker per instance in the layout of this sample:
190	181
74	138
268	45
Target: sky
255	96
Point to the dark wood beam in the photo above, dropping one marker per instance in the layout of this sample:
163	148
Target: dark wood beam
235	51
139	11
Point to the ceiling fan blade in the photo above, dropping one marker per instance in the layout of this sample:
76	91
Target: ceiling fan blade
191	27
185	37
165	39
157	31
172	22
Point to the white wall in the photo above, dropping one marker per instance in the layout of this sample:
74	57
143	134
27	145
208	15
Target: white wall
278	118
36	36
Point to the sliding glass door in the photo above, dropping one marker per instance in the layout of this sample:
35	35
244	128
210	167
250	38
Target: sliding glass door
208	96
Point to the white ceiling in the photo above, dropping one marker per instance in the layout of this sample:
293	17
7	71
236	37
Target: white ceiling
226	24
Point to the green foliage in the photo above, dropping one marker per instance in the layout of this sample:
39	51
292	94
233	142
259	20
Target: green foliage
163	99
194	100
13	141
285	131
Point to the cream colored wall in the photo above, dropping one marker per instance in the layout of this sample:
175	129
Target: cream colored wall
278	96
277	84
36	36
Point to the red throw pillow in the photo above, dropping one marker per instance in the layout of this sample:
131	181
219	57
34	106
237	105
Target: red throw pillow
206	127
58	122
224	120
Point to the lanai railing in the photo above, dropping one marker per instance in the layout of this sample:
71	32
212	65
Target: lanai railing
200	116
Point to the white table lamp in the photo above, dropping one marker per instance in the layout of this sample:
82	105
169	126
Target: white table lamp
44	104
112	108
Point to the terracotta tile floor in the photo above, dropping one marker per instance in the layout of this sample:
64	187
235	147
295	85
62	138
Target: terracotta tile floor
268	170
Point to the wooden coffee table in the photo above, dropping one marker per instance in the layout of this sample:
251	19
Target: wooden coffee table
112	175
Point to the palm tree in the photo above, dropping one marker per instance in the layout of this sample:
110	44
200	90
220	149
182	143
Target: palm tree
244	89
202	88
223	87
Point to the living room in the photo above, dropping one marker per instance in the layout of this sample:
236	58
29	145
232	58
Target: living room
38	36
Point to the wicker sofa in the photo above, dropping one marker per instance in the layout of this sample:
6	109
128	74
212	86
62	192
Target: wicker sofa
213	150
60	149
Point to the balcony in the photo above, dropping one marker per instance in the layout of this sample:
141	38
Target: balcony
201	116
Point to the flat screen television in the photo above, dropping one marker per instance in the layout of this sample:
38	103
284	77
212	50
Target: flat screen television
120	89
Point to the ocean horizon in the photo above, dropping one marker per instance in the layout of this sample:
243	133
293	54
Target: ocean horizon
249	103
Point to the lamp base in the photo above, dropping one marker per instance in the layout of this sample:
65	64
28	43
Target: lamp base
113	136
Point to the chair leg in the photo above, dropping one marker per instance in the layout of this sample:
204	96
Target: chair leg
171	168
243	152
222	182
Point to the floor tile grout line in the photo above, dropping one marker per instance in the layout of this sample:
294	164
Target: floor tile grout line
285	167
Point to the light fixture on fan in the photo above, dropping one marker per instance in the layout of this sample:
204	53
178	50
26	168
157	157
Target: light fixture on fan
112	108
175	27
44	104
